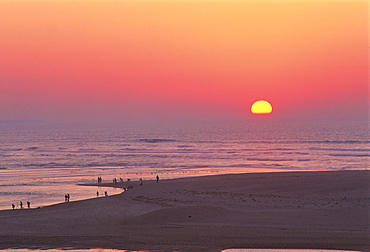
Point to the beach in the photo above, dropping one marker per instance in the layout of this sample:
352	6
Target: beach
300	210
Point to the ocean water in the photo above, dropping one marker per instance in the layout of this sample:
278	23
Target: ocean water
41	162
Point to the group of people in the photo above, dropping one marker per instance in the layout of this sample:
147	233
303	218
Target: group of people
121	180
105	193
67	197
21	205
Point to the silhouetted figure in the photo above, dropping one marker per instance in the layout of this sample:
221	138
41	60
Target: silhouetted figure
157	178
28	204
106	193
97	193
21	204
68	197
65	198
13	206
141	181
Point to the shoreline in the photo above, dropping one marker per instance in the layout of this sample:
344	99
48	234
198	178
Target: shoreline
300	210
215	174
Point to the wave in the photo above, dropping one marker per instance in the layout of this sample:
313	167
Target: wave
348	155
279	149
86	150
155	140
340	142
122	145
294	153
306	142
114	155
32	148
12	149
43	155
269	159
49	165
118	164
338	149
74	165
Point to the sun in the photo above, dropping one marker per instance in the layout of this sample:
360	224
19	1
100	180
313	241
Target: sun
261	107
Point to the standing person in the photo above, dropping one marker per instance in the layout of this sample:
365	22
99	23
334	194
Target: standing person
65	198
21	204
97	193
68	197
28	204
13	206
157	178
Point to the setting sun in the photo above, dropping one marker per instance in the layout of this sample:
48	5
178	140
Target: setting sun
261	107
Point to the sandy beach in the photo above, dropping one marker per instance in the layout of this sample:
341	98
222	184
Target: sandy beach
311	210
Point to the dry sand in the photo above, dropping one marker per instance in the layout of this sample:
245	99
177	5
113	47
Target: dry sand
316	210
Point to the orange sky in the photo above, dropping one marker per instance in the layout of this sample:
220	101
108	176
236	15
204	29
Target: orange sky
182	60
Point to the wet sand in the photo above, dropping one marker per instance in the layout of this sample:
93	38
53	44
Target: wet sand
315	210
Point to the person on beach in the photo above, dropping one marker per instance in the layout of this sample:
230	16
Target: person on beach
13	206
65	198
106	193
157	178
28	204
97	193
21	204
68	197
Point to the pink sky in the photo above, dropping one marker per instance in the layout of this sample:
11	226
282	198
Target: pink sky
182	60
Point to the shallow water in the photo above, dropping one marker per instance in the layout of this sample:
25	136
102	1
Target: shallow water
41	162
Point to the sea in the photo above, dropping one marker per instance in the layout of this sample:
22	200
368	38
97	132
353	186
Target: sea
41	162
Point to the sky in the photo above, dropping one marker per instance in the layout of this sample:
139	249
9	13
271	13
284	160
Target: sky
182	60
